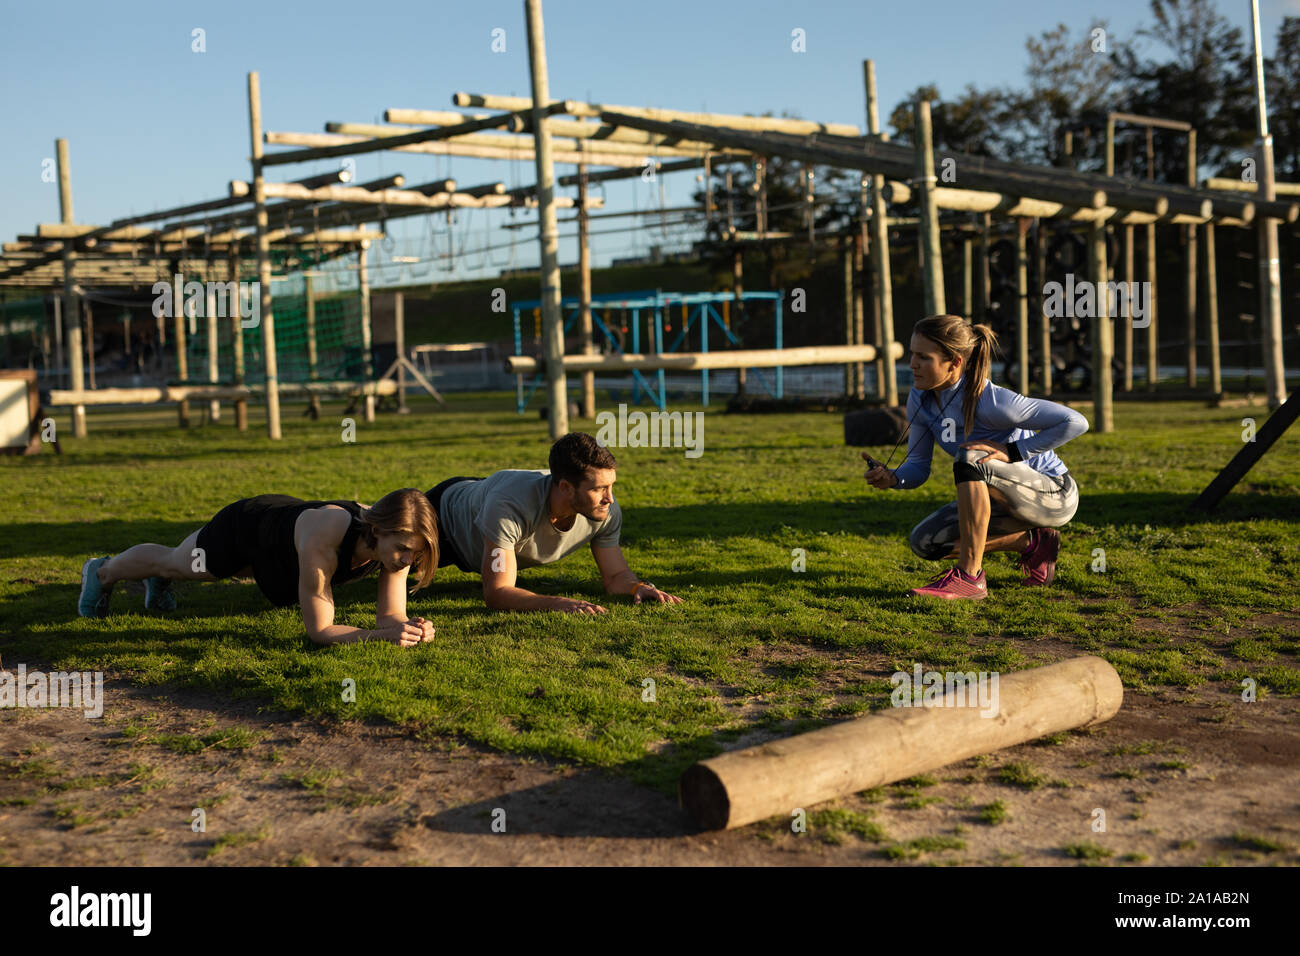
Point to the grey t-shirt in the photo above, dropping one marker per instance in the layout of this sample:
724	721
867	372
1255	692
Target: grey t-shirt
512	508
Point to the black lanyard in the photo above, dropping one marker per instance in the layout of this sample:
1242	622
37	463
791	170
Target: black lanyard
907	431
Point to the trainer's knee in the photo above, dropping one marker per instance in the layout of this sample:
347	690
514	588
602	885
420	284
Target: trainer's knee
925	545
964	468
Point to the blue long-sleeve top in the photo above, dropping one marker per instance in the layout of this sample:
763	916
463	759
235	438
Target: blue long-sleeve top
1030	428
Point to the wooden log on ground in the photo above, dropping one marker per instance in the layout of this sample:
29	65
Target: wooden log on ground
696	361
778	777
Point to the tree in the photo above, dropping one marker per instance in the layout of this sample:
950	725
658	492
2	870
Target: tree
973	123
1206	82
1282	77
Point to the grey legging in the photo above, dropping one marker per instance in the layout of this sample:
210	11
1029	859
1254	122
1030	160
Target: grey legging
1033	500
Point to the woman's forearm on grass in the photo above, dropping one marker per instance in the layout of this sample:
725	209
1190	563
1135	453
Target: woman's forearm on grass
341	634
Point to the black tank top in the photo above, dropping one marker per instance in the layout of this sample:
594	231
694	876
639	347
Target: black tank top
267	523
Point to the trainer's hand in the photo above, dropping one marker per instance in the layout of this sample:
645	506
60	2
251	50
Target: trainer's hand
648	592
574	606
880	476
996	450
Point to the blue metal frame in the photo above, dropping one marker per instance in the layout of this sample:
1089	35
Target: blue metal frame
703	314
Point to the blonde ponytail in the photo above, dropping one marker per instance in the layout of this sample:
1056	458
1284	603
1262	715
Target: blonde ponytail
979	362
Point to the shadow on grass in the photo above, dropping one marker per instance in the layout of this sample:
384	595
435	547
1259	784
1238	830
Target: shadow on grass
887	515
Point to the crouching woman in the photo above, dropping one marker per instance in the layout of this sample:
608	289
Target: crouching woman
1013	491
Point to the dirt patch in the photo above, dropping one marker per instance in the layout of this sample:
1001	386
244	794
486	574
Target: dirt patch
1182	777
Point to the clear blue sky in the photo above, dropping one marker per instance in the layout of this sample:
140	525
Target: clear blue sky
152	124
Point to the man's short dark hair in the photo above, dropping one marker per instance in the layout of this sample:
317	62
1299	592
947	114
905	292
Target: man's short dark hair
573	454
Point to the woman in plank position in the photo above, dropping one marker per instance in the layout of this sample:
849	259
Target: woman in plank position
1013	492
296	551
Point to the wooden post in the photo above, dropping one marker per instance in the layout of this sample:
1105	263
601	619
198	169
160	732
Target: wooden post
1270	273
1212	310
1251	451
367	360
846	257
214	369
182	360
1189	262
1044	320
1103	345
89	313
399	329
1153	312
859	370
775	778
71	301
57	302
584	295
738	289
548	232
968	307
237	339
309	301
1022	309
1126	355
982	273
882	281
1153	334
933	261
263	260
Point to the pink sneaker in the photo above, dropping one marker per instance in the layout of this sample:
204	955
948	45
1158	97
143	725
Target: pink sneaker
1039	561
954	584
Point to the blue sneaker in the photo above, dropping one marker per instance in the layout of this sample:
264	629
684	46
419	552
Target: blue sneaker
94	596
158	594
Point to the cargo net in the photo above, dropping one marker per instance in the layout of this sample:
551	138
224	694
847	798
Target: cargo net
25	333
339	354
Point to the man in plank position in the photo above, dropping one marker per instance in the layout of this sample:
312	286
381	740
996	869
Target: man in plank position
519	519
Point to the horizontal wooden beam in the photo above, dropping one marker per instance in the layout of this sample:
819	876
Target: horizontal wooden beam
731	120
512	121
452	148
181	393
602	132
694	361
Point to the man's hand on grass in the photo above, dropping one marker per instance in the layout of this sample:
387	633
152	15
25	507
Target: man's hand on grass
650	594
574	606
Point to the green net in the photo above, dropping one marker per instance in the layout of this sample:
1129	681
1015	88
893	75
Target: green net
23	326
335	321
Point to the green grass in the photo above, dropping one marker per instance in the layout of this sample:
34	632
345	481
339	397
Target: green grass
832	825
1087	851
230	841
787	647
1250	841
994	813
914	849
